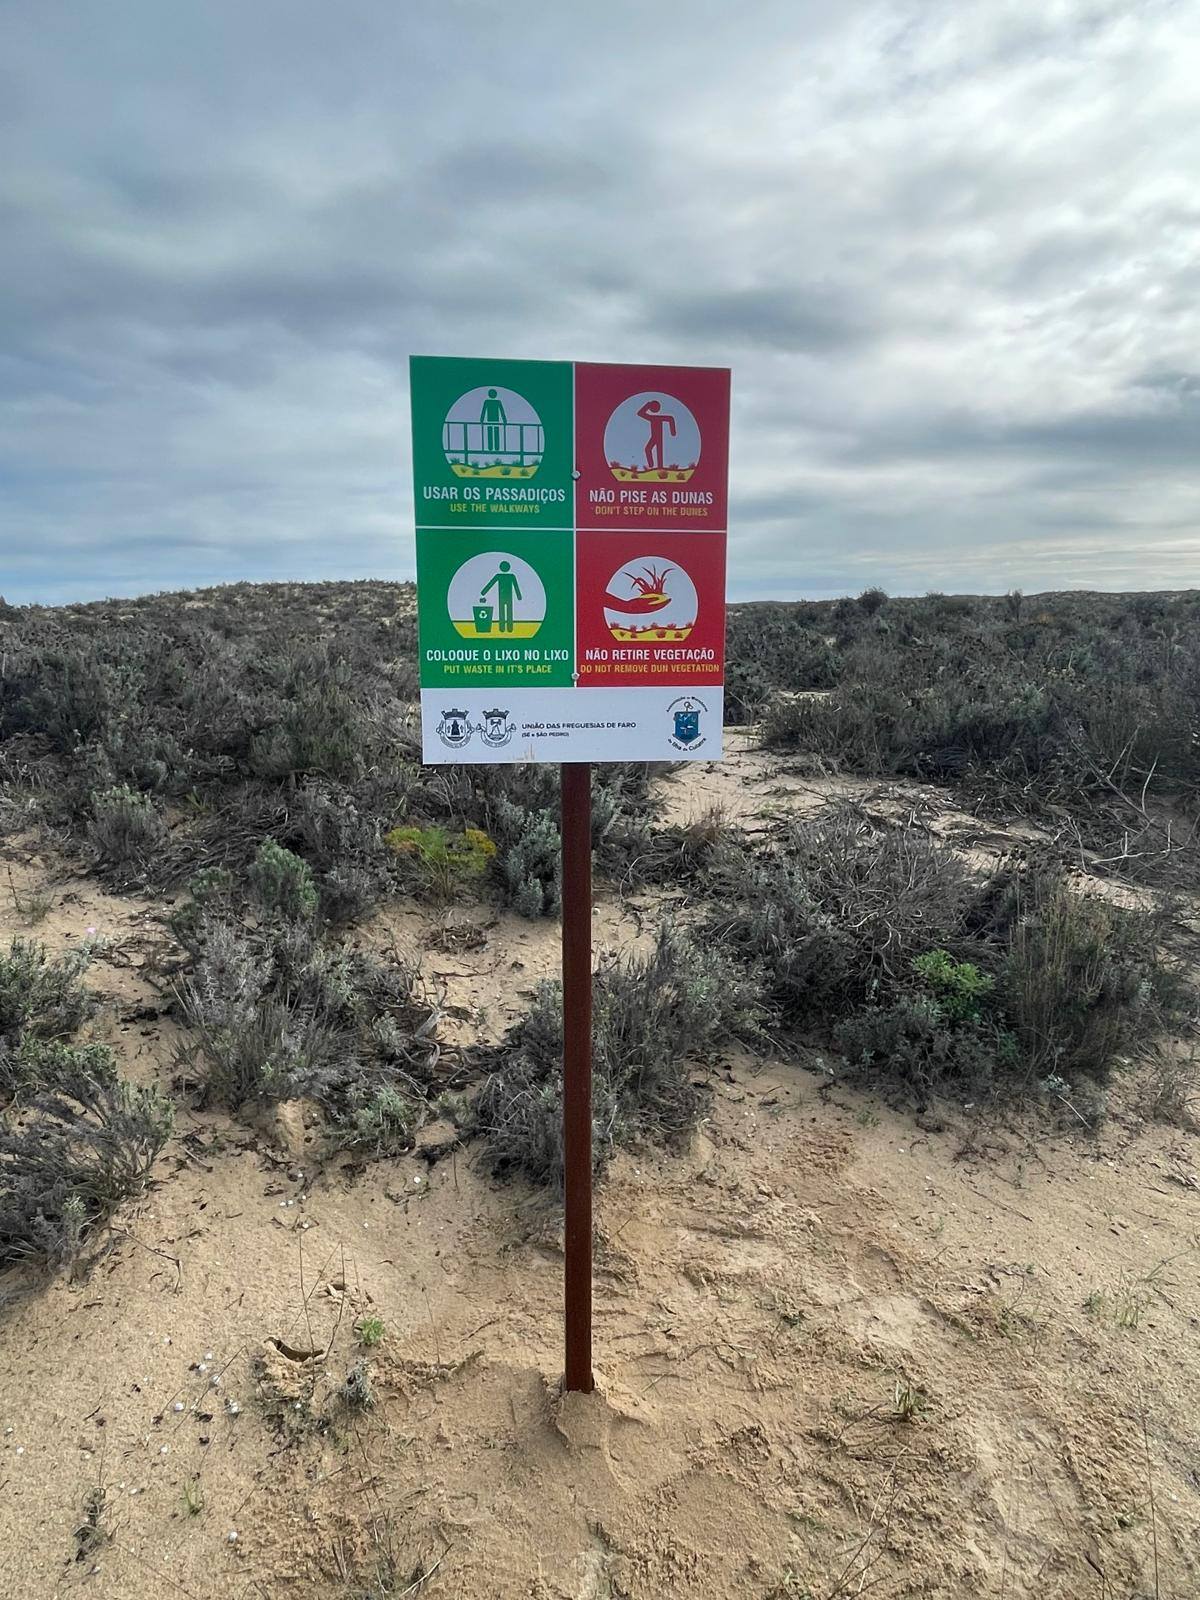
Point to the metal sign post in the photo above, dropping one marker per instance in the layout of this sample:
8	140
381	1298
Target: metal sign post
577	1070
571	523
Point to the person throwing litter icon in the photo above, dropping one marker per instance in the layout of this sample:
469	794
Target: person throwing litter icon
507	590
653	413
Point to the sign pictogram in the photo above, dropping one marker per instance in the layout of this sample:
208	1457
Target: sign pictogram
570	558
493	443
650	609
651	447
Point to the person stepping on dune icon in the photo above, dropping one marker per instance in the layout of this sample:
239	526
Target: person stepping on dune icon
653	413
493	418
507	590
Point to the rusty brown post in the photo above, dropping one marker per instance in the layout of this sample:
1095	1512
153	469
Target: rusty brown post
577	1070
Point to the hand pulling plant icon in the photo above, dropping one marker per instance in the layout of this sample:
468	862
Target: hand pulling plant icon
650	600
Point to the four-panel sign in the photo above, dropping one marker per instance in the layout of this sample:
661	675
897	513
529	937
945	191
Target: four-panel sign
571	525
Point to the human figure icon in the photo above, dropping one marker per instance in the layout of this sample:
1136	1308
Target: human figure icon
507	590
658	419
493	417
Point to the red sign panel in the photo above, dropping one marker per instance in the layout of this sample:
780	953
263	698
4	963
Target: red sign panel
649	608
651	447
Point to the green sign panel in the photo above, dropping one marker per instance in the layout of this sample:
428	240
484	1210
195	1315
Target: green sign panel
497	607
493	443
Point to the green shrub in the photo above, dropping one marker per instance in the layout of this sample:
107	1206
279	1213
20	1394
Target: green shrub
278	1011
835	917
529	858
382	1124
347	894
36	1064
912	1043
209	893
257	1040
772	647
881	942
281	883
958	987
1087	707
936	1039
443	863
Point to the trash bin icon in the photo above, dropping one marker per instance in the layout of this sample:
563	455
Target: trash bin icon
483	619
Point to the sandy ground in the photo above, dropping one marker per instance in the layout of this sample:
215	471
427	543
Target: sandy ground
839	1351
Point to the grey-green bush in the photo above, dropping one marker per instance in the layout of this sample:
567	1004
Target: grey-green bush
281	883
279	1011
41	996
654	1017
127	831
85	1143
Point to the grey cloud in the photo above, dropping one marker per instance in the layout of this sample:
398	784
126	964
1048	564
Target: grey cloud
952	262
500	171
797	319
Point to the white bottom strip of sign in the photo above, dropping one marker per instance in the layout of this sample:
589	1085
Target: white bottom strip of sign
508	725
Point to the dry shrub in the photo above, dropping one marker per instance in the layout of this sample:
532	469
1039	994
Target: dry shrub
653	1017
1084	713
127	830
838	912
277	1011
85	1143
1084	982
881	942
41	996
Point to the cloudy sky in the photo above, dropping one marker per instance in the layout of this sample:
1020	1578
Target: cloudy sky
950	250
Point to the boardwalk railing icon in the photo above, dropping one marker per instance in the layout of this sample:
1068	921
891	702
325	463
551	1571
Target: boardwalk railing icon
489	444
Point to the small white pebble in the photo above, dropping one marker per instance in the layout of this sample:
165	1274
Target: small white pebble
20	1449
208	1355
232	1536
202	1366
233	1408
178	1406
163	1449
215	1381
